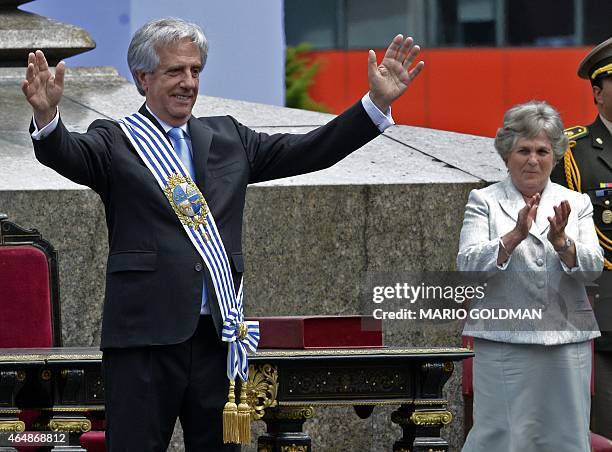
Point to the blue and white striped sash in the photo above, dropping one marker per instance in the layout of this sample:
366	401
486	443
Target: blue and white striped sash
190	207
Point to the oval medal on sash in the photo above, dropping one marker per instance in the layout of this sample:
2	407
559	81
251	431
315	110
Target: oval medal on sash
186	201
606	216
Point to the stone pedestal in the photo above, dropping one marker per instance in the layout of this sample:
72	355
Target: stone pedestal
22	32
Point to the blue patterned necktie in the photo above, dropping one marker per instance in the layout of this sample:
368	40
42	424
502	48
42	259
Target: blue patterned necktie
182	149
177	135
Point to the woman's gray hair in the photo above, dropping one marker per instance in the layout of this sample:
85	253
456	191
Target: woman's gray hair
142	53
528	121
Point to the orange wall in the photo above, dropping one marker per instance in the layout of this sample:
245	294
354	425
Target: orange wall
466	90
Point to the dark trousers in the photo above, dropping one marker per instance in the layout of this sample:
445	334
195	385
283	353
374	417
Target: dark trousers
601	408
147	388
602	401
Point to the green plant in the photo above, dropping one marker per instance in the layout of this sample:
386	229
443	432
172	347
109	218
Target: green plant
299	74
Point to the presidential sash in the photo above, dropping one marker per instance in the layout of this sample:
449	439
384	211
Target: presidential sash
191	208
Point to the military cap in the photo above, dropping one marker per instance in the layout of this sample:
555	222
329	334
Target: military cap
598	63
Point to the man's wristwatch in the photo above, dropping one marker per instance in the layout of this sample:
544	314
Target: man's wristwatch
566	246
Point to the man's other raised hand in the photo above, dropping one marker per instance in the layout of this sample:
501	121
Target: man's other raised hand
42	89
391	78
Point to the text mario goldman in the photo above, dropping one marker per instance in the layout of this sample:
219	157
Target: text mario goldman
459	314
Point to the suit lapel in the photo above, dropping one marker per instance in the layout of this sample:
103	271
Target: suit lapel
545	209
144	111
201	139
513	202
602	139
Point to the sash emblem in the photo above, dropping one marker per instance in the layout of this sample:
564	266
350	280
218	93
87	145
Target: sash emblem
186	201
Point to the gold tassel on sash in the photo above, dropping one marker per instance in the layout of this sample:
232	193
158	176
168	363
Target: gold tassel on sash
230	417
244	416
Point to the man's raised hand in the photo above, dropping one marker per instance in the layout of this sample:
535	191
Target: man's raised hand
391	78
42	89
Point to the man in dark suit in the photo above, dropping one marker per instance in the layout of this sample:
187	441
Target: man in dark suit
163	358
587	168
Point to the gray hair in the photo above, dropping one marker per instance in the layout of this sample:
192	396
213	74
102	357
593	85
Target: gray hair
142	53
528	121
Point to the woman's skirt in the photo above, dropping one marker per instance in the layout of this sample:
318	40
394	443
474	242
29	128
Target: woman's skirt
531	398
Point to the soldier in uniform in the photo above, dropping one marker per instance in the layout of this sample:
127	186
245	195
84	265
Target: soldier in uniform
587	168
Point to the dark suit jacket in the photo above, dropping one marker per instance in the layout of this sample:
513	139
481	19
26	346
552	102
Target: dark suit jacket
154	274
593	154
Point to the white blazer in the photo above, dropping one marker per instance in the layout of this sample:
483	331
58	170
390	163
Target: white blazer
534	277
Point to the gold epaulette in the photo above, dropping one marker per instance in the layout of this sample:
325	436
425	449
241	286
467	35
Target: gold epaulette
576	132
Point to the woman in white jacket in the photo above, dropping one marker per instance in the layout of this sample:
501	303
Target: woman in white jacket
535	245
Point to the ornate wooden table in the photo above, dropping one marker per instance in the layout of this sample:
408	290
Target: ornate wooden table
65	386
59	389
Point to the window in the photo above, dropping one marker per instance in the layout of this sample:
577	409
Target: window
597	18
347	24
312	21
541	23
465	22
372	24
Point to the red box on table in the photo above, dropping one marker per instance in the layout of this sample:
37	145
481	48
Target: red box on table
304	332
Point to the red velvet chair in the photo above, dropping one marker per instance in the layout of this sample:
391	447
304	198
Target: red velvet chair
598	442
29	293
30	307
29	296
93	441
